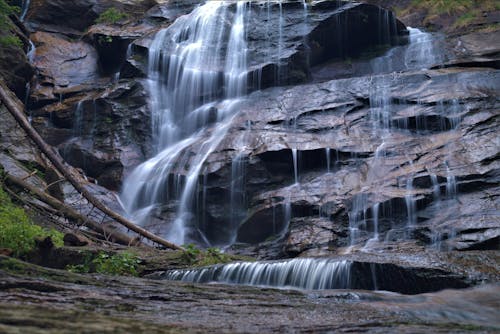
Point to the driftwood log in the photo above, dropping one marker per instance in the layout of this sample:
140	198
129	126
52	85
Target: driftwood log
10	103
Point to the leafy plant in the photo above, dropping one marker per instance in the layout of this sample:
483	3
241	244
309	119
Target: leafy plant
194	256
78	268
111	16
105	39
191	253
17	231
118	264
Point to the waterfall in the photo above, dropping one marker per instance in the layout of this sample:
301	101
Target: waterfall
238	199
295	165
307	273
421	53
197	70
327	154
78	122
24	10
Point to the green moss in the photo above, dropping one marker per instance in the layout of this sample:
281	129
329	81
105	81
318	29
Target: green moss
10	40
438	7
464	13
490	27
466	19
20	268
6	37
17	231
5	11
111	16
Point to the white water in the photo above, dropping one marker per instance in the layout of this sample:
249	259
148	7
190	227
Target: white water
295	165
421	53
328	160
24	10
307	273
188	65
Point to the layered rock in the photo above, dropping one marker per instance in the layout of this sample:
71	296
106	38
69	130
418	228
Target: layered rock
435	128
362	155
100	125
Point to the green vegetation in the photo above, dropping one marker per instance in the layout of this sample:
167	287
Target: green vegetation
111	16
196	257
463	12
10	40
118	264
17	231
465	19
437	7
7	38
33	167
105	40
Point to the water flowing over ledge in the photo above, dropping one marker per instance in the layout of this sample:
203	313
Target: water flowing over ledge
324	273
311	274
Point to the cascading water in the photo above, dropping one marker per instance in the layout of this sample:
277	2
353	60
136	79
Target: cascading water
189	63
24	10
198	72
308	273
421	53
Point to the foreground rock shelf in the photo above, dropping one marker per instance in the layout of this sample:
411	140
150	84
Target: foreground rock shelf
74	303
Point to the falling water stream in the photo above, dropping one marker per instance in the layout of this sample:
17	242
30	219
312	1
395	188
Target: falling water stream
198	74
186	74
419	54
308	273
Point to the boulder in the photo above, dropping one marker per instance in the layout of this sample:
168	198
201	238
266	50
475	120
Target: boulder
62	64
108	132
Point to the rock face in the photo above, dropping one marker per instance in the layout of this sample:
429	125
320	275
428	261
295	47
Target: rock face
394	156
434	135
376	139
62	65
99	125
381	148
78	15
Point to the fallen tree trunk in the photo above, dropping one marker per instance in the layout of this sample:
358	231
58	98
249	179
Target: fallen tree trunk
71	214
20	118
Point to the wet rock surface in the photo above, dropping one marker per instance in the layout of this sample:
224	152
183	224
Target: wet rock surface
119	304
373	158
439	125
